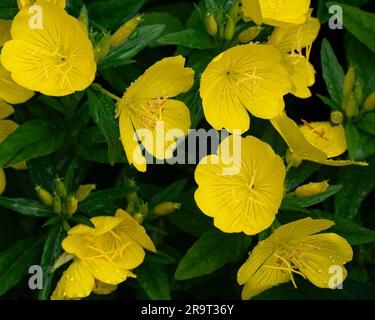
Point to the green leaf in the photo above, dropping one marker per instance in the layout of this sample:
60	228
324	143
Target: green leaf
329	102
296	176
139	40
41	172
159	257
323	13
100	199
52	250
8	9
359	23
367	123
102	109
191	38
153	279
333	73
81	219
31	140
26	207
358	182
291	201
213	250
360	144
112	13
16	260
169	193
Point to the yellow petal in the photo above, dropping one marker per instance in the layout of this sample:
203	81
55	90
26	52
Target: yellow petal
134	230
295	37
54	57
5	26
10	91
252	10
324	136
102	225
5	110
6	128
165	79
2	181
76	282
303	75
129	141
27	3
323	255
104	288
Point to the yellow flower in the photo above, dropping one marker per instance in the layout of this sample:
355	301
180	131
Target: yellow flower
50	51
105	253
148	110
302	148
276	13
243	196
5	26
293	39
296	248
10	91
27	3
322	135
244	78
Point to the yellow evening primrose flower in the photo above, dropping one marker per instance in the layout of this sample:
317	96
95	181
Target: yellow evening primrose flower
28	3
242	190
292	40
248	77
147	111
50	51
296	248
276	12
5	26
322	135
10	91
104	255
301	148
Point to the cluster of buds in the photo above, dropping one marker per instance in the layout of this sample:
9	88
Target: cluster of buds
61	201
221	20
353	96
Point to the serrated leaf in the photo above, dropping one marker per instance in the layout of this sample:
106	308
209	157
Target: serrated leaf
16	260
26	207
213	250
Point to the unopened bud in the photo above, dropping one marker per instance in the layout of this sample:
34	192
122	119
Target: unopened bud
84	191
102	47
57	205
358	92
139	217
60	187
229	29
133	197
2	181
83	17
125	31
311	189
249	34
293	159
166	208
351	106
370	102
131	207
211	25
337	117
348	82
71	205
44	196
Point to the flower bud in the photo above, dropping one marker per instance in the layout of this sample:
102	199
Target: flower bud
2	181
350	106
133	197
311	189
83	17
125	31
84	191
131	207
337	117
166	208
102	47
44	196
211	25
369	104
292	159
57	205
229	29
249	34
71	205
348	82
60	187
139	217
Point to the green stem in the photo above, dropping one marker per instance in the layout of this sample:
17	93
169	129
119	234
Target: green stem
99	88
